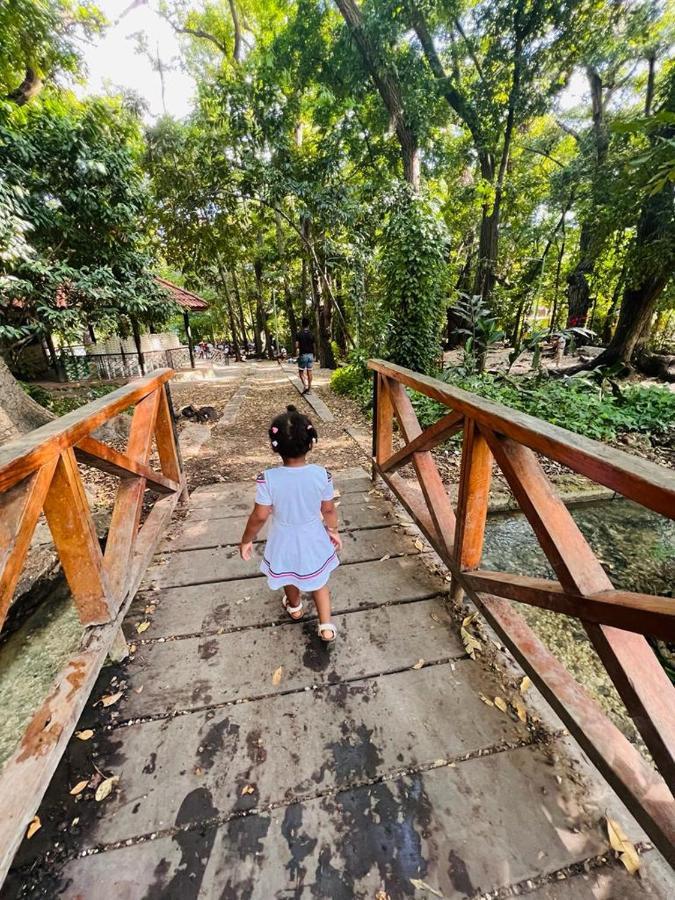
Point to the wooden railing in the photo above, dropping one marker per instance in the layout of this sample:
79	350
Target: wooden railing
39	473
616	621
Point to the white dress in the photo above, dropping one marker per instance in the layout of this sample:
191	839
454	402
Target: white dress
298	550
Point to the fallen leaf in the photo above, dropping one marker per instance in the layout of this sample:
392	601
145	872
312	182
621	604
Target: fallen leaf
110	699
247	789
519	707
132	648
423	886
525	684
105	787
471	644
500	703
418	664
149	610
199	771
623	847
84	735
419	544
138	690
382	895
79	787
35	825
486	700
434	616
142	626
276	678
386	556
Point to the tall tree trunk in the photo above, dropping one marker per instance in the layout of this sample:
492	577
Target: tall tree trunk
389	89
260	314
19	413
239	306
288	296
230	309
137	341
578	290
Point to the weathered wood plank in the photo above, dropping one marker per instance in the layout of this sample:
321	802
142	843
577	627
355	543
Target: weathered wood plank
217	750
456	829
221	564
20	509
20	457
74	534
195	672
650	485
107	459
249	601
641	613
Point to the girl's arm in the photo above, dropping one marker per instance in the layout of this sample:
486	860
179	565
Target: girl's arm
256	520
330	520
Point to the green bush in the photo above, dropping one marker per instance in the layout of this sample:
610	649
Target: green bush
600	411
62	401
355	381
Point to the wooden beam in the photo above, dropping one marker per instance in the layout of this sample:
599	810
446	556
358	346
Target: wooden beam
437	500
22	456
126	513
107	459
641	613
20	509
74	534
631	663
431	437
168	448
472	501
636	783
384	422
645	482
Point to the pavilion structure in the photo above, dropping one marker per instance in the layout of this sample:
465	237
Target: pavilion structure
190	303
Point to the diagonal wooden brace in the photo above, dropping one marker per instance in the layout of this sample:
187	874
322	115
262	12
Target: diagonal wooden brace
74	534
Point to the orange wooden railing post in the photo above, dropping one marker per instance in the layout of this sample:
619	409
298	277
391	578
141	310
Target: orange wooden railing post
472	502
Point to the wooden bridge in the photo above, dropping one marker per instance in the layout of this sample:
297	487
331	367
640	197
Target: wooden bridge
232	756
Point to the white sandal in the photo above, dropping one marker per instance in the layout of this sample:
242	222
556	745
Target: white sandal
327	626
292	609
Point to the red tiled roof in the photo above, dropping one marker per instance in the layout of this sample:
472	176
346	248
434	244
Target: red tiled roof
185	298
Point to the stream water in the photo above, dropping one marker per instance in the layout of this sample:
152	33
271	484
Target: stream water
637	549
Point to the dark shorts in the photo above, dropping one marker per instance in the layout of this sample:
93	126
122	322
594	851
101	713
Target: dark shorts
305	360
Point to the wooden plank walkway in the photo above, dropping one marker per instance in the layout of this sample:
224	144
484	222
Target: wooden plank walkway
255	764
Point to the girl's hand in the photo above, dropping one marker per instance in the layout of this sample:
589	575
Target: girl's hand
335	538
246	550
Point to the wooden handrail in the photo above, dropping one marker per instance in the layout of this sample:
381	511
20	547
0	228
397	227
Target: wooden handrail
39	473
638	479
615	621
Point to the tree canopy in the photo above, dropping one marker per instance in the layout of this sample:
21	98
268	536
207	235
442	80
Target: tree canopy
382	167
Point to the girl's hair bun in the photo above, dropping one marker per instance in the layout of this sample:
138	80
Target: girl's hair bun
290	408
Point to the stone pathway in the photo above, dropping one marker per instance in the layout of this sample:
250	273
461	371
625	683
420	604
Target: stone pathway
253	763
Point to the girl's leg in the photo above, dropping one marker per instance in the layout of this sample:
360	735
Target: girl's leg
322	603
293	599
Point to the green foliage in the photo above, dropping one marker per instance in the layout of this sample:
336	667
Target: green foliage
63	401
600	411
413	272
355	381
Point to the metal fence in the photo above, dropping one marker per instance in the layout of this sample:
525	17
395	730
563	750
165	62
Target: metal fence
111	366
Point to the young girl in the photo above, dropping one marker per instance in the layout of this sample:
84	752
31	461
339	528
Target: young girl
301	549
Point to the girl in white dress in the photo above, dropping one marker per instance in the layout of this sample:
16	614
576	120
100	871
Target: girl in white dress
303	539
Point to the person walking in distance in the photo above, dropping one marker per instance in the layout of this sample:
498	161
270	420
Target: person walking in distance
304	347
